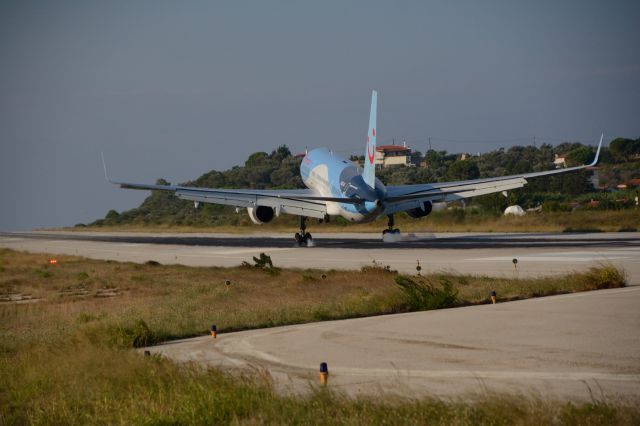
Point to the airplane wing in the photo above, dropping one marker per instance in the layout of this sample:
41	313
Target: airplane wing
301	202
406	197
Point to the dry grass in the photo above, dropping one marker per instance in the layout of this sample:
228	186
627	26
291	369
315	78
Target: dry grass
114	300
447	221
65	359
176	301
85	384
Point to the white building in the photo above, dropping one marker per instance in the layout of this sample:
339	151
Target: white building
560	161
393	155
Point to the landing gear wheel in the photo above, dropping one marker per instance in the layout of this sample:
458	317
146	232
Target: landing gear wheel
390	229
303	238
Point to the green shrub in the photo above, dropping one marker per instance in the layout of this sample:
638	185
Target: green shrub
44	273
423	295
628	229
607	276
581	229
132	336
264	263
85	317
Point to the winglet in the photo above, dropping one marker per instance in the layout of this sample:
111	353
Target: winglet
104	166
597	157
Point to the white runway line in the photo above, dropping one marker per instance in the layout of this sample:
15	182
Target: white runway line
224	252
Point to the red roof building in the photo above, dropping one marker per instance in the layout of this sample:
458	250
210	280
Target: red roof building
393	155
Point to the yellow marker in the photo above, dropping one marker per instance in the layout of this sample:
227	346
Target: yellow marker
324	373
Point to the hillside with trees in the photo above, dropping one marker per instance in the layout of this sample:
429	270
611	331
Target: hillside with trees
619	164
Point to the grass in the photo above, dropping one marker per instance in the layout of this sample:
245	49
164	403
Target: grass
162	302
97	385
446	221
66	358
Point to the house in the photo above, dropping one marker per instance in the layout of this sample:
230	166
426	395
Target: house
393	155
633	183
560	161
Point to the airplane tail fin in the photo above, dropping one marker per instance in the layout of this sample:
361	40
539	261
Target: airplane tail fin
369	174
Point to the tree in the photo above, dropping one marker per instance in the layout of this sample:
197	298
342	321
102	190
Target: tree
112	215
464	170
624	149
256	159
281	153
579	156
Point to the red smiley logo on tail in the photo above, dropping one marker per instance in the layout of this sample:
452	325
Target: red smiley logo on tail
370	154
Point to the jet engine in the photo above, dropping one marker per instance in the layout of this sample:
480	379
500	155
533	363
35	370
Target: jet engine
418	212
261	214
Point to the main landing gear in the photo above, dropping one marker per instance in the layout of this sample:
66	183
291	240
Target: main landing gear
303	238
390	229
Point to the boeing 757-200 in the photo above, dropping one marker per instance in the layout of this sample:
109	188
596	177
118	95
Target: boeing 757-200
338	187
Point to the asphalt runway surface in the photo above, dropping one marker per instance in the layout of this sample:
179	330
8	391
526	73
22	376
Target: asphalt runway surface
354	241
571	347
477	253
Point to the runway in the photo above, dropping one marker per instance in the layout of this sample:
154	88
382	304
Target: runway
570	347
470	253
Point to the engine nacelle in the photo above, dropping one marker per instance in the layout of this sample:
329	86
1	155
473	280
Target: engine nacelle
418	212
261	214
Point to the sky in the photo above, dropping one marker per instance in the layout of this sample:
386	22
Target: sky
175	89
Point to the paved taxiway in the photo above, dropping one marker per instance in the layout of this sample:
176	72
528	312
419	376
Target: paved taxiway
564	347
486	254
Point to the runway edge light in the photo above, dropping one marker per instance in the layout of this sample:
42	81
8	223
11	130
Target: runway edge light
493	297
324	373
214	331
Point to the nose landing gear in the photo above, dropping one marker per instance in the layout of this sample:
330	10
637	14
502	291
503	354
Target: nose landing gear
390	229
303	238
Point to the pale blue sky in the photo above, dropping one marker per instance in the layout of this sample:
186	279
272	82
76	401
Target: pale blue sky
175	89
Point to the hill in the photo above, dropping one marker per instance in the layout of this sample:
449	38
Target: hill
280	169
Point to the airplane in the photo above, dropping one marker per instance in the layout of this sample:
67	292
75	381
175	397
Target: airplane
339	187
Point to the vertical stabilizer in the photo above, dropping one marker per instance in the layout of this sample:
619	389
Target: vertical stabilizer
369	174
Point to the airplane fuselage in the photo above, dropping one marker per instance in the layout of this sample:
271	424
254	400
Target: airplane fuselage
333	176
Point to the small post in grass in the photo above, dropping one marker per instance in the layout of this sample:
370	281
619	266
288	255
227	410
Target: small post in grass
493	297
147	353
324	373
214	331
515	263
